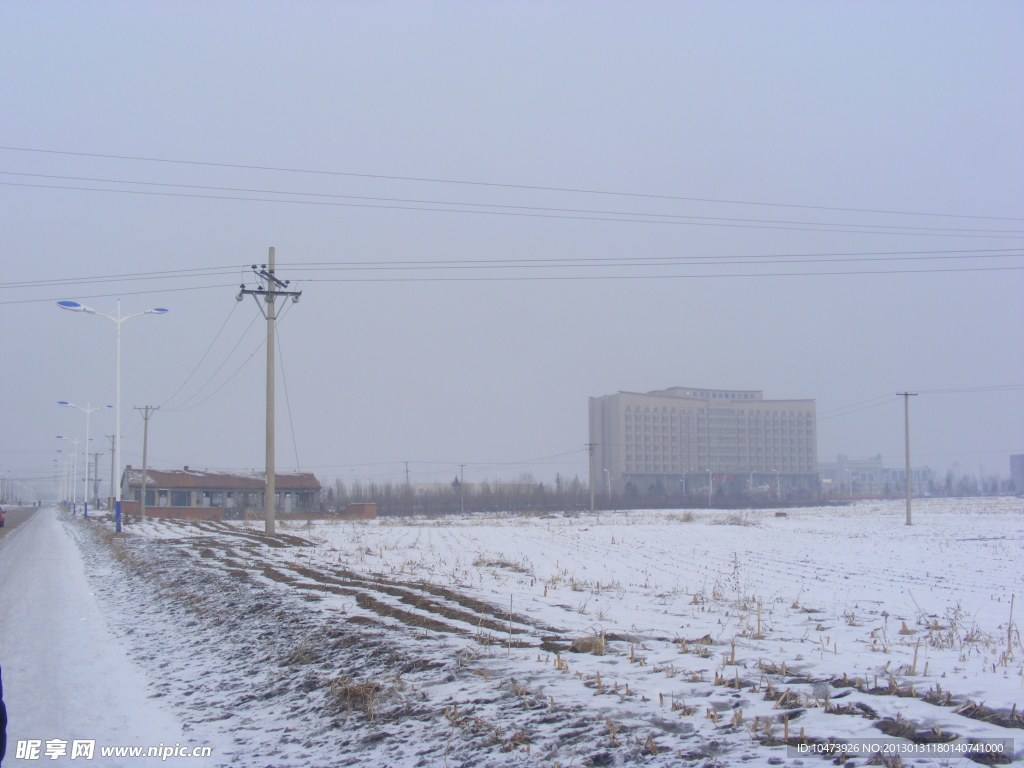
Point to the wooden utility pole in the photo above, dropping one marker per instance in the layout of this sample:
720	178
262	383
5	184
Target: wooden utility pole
266	299
906	433
147	411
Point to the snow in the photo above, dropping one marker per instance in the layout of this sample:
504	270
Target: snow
65	672
448	641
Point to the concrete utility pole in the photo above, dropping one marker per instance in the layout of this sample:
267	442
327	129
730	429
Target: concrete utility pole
110	498
906	431
147	411
590	473
462	489
266	299
96	477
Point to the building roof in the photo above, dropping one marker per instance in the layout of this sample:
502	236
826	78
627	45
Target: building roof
194	479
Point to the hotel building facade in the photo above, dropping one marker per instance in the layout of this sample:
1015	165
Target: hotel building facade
685	439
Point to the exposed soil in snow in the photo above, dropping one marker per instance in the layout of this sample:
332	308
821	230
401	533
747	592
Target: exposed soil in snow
644	638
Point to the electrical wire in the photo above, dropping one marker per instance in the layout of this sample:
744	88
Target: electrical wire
159	275
563	278
188	404
118	294
202	357
287	398
843	408
962	390
637	220
497	185
524	263
632	263
475	207
546	278
660	260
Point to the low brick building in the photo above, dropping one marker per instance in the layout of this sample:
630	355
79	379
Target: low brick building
190	493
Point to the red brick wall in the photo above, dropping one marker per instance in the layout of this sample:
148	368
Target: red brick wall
176	513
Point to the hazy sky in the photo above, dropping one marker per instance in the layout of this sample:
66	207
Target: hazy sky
495	210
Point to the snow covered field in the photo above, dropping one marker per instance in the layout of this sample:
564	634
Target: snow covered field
643	638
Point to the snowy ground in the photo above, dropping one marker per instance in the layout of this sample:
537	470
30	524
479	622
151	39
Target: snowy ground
642	638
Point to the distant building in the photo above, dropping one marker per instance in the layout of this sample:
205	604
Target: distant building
682	439
203	494
870	477
1017	472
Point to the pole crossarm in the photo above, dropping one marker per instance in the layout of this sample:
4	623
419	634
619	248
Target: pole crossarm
274	287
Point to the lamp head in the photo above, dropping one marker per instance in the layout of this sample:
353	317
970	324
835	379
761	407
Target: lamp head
74	306
157	311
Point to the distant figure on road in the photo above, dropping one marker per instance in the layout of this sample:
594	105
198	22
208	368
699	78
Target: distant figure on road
3	720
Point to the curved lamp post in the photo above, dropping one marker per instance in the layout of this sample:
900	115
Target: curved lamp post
86	410
117	318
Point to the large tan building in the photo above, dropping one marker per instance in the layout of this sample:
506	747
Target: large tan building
685	439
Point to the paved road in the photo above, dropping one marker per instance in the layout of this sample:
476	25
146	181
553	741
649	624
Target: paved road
15	516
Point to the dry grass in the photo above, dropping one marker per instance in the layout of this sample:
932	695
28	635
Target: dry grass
594	644
354	695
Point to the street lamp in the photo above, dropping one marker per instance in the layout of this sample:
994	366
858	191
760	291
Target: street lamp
86	410
63	468
74	471
117	318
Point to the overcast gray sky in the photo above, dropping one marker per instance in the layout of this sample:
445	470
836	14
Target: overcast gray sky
570	199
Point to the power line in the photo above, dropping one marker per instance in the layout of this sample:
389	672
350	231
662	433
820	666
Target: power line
578	262
548	278
962	390
637	219
880	400
287	399
863	405
570	278
498	185
122	293
945	253
204	355
156	275
631	263
188	404
598	215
